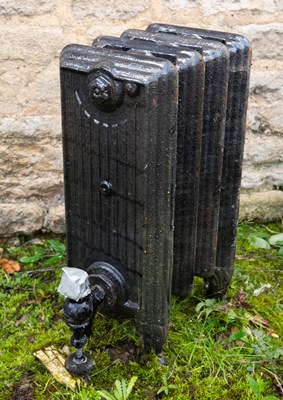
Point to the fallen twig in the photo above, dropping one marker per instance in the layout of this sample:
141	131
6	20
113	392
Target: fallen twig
36	271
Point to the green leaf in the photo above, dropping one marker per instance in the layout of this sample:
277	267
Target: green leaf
124	389
55	245
41	292
131	384
199	306
270	398
278	353
241	335
208	311
172	386
105	394
53	260
116	395
259	234
38	254
118	385
232	316
276	240
254	386
160	390
280	251
259	243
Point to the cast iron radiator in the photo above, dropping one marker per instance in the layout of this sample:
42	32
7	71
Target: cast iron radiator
153	135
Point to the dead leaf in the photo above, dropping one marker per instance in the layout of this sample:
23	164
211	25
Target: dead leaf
257	320
10	266
54	362
271	333
262	289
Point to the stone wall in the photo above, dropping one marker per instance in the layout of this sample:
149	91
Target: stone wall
32	35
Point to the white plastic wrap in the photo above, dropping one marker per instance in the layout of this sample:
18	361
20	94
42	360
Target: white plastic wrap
74	283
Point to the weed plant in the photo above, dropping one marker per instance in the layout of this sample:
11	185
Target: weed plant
229	349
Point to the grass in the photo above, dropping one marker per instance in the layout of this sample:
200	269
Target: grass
230	349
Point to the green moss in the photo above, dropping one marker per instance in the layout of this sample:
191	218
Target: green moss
210	352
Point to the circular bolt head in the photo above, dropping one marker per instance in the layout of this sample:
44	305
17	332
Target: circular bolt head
105	91
101	89
131	88
105	187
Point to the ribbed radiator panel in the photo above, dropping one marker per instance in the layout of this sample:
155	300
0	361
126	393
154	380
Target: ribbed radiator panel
237	98
216	60
190	68
132	147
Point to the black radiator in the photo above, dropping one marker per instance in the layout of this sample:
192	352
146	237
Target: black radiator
153	134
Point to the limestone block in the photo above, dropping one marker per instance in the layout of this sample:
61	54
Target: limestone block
35	184
266	83
20	218
36	45
26	8
261	149
55	218
29	88
44	156
251	179
263	206
30	158
38	171
266	40
263	177
43	90
30	129
15	76
265	119
109	9
178	5
213	7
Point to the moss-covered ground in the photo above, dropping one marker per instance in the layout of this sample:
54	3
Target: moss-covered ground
229	349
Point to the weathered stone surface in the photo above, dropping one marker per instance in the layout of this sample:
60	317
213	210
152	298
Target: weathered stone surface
266	83
24	187
265	120
30	128
35	45
122	10
20	218
55	218
266	40
263	162
218	6
262	177
38	173
178	5
26	90
263	206
26	8
261	149
30	168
